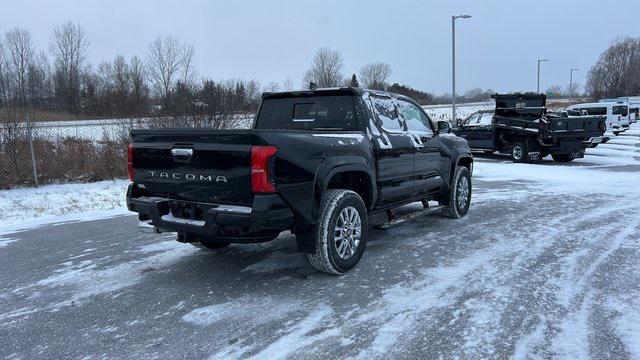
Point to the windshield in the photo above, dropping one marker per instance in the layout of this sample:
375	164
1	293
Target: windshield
621	110
308	113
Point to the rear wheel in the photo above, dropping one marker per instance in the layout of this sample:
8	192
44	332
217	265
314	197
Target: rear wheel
460	194
518	153
562	157
341	232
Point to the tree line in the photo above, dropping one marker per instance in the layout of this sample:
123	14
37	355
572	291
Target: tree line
165	81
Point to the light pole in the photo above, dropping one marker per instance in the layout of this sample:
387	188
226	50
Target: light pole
539	61
453	62
571	82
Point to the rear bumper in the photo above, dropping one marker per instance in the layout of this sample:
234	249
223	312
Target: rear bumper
264	220
595	141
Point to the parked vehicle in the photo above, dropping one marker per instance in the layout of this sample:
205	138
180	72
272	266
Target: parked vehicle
632	101
617	114
520	126
316	162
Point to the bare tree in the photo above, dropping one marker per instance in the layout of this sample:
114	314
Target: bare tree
287	84
188	69
139	89
617	72
554	91
253	92
39	80
375	75
120	75
326	68
4	77
573	89
20	51
272	87
69	45
167	58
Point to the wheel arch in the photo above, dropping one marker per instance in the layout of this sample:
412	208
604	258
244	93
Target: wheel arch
350	173
465	160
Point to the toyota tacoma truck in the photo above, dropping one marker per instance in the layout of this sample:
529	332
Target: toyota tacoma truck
520	126
317	163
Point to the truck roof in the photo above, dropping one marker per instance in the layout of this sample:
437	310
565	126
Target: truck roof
332	91
520	96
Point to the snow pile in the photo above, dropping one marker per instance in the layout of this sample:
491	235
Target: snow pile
30	206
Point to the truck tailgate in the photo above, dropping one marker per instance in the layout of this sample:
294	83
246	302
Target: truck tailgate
576	124
202	165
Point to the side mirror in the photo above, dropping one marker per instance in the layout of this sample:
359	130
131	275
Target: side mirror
459	122
444	127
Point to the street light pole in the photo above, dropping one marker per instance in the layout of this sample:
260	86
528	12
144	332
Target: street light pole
539	61
571	82
453	62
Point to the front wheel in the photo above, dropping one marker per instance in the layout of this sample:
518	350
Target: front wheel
460	194
341	232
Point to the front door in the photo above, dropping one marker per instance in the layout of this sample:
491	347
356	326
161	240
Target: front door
477	129
427	158
393	151
483	132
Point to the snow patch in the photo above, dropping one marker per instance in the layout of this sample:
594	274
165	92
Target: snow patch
89	278
254	311
26	208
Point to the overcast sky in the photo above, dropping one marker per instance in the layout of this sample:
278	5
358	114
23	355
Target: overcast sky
272	40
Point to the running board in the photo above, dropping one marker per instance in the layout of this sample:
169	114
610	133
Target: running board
395	221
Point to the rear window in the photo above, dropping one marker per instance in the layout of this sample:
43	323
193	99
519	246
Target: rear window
308	113
596	110
621	110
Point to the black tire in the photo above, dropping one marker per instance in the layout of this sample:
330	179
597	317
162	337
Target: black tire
616	133
327	256
456	209
562	158
204	245
519	153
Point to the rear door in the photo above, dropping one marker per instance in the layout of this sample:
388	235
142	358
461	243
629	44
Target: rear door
427	158
393	151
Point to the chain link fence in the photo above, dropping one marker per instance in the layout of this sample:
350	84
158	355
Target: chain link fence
44	152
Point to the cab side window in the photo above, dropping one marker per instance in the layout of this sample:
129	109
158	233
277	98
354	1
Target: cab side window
485	119
472	120
387	114
416	120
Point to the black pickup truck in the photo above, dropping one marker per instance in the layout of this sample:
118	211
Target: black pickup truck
521	127
316	162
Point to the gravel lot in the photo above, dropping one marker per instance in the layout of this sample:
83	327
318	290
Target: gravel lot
544	265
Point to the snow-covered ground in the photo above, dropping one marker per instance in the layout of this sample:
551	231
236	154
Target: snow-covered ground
22	208
545	265
443	112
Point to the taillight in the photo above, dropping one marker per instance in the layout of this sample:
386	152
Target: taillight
130	170
260	169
